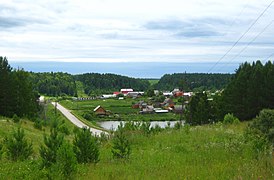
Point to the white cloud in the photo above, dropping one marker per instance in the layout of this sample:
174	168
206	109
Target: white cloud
126	31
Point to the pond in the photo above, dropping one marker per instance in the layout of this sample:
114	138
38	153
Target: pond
113	125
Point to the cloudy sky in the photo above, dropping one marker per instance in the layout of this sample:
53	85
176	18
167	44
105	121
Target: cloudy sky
135	30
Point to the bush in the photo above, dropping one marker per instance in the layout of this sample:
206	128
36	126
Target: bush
258	141
120	144
15	118
265	123
18	148
64	129
66	161
86	146
38	124
48	152
230	118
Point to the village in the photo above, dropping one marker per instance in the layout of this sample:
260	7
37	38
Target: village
128	104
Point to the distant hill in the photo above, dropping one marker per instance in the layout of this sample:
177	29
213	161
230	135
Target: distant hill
190	81
110	82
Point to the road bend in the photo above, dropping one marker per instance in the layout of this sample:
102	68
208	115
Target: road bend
75	120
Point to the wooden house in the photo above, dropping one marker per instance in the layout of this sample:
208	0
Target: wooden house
99	110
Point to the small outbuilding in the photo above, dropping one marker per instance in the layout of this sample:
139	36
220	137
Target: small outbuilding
99	110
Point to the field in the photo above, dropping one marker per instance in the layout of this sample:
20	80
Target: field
203	152
120	110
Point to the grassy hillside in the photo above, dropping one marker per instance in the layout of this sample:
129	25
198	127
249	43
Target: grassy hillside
203	152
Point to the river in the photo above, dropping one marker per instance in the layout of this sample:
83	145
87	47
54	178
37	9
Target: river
113	125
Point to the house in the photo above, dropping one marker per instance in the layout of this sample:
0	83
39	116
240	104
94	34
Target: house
99	110
125	91
178	109
159	110
106	96
168	103
147	110
167	94
178	94
140	104
133	94
116	93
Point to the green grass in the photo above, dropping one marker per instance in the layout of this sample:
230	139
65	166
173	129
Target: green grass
205	152
208	152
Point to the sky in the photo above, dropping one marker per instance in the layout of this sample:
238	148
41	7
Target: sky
179	31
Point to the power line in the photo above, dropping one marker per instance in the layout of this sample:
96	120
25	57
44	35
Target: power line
256	20
248	44
268	58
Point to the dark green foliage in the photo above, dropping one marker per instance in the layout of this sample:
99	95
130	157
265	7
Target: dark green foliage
38	124
48	152
54	84
95	83
66	161
250	91
199	110
190	81
16	92
120	144
260	145
15	118
18	148
86	146
265	123
150	93
230	118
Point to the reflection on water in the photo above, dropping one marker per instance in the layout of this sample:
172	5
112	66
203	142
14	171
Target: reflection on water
112	125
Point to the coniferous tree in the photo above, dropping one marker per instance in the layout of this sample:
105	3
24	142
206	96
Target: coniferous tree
250	91
86	146
18	148
48	152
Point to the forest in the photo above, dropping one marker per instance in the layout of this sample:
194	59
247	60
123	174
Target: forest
192	81
107	83
17	97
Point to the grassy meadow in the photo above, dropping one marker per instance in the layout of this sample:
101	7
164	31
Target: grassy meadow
202	152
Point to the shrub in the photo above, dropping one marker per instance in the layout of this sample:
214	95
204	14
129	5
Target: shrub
258	141
63	129
265	123
18	148
15	118
66	161
48	152
120	144
86	146
230	118
38	124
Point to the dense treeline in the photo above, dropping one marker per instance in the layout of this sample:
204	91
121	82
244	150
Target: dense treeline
54	84
110	82
16	93
250	91
190	81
